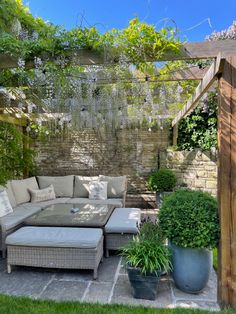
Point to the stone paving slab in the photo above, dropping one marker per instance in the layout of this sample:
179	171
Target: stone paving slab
112	286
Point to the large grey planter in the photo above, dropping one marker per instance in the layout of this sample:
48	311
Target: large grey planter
160	197
191	268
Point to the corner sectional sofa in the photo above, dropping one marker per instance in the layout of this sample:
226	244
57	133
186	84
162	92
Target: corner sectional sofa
67	189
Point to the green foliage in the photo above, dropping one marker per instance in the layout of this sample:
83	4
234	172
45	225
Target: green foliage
12	159
162	180
190	219
199	129
147	251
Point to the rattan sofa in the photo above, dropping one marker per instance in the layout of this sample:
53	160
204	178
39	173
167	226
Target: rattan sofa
68	189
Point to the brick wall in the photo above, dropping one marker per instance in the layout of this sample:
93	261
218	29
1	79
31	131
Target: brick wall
125	152
194	169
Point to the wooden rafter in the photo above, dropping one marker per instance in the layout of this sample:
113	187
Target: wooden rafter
206	82
197	50
9	119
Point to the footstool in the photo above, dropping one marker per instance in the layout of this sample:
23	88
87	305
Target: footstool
55	247
122	225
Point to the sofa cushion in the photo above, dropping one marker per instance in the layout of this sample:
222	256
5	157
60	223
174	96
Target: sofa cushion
116	186
98	190
20	189
124	220
81	188
17	217
5	206
63	186
59	200
56	237
42	195
117	202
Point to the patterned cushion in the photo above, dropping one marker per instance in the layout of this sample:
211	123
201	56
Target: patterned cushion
98	190
42	195
116	186
82	186
5	206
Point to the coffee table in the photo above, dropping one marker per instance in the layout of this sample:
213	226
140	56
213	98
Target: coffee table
88	215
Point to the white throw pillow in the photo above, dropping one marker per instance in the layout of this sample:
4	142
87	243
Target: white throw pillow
42	195
5	206
97	190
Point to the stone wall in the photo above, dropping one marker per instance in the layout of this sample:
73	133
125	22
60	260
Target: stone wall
124	152
194	169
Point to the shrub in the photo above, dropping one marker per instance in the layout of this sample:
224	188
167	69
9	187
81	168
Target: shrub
162	180
147	250
190	219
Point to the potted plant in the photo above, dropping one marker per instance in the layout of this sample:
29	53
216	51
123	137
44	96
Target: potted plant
161	181
189	219
146	257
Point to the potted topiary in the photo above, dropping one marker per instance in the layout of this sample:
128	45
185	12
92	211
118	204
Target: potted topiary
189	219
146	257
161	181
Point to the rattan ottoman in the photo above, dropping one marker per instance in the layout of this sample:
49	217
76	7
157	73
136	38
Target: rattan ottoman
55	247
121	227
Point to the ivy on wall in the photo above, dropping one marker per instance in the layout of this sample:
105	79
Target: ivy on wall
199	129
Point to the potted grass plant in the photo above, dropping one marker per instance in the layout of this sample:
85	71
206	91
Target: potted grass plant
189	219
146	257
161	181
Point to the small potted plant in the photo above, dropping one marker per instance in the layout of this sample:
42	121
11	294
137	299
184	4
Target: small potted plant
189	219
146	257
161	181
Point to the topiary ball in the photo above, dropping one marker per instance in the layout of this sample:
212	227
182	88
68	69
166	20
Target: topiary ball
162	180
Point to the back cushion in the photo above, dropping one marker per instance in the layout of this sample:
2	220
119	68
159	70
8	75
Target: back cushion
116	186
20	189
10	193
82	186
63	186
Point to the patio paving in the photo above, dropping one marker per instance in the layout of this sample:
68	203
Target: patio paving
112	286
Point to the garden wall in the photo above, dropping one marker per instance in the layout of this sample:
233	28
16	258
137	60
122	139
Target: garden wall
125	152
194	169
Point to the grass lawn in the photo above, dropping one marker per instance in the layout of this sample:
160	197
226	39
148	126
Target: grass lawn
15	305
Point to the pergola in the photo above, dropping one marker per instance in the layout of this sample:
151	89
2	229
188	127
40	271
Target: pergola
222	69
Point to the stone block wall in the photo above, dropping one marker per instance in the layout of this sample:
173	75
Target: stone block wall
194	169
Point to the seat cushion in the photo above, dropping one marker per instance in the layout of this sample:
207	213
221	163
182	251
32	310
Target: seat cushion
81	188
17	217
63	186
41	205
20	189
124	220
117	202
116	186
56	237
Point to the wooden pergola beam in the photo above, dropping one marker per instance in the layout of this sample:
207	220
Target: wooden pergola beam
227	184
188	51
9	119
209	78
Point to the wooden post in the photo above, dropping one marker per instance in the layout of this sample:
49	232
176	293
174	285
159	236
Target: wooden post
25	148
227	184
175	134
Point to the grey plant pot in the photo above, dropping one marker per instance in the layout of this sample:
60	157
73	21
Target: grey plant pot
144	286
191	268
160	197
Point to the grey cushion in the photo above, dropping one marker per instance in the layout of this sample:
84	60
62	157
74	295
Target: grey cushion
124	220
56	237
81	188
116	186
9	193
112	201
20	189
17	217
63	186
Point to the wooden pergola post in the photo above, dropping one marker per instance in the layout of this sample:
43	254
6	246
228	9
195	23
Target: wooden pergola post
227	184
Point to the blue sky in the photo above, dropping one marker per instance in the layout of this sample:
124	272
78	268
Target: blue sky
195	19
